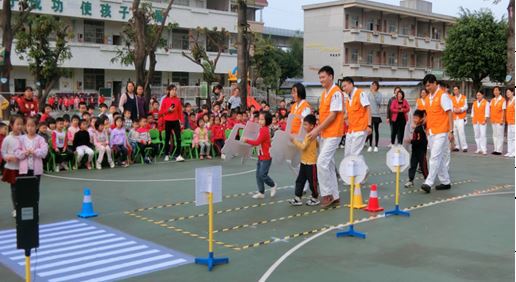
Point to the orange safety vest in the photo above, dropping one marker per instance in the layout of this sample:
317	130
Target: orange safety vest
459	104
358	119
420	104
479	114
336	128
509	112
437	119
496	110
297	110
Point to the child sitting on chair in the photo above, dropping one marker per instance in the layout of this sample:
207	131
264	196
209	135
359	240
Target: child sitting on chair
101	141
201	139
82	144
218	135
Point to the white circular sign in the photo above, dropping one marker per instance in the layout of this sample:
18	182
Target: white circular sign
398	156
353	166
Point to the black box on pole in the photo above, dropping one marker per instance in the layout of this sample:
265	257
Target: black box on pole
27	212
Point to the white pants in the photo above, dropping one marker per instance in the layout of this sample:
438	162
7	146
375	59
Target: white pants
498	137
439	163
355	143
104	150
480	137
326	167
459	135
84	150
510	140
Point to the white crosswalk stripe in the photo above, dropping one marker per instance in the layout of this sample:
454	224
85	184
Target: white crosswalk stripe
83	250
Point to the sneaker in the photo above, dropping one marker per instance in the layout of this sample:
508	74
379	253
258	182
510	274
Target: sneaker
167	158
65	167
201	158
222	156
443	187
326	201
57	168
375	149
296	201
465	150
497	153
341	146
258	195
409	184
370	149
147	160
389	146
112	165
273	191
88	166
312	202
208	157
484	153
180	159
426	188
99	166
124	164
13	213
456	150
477	152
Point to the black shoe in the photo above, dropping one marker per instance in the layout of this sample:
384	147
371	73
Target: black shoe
465	150
426	188
443	187
497	153
456	150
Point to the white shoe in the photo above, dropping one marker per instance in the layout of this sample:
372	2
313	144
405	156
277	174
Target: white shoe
258	196
99	166
273	191
112	165
179	159
389	146
13	213
222	156
409	184
477	152
57	168
167	158
484	153
375	149
370	149
65	167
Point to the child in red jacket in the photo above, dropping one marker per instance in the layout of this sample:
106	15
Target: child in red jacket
217	135
264	157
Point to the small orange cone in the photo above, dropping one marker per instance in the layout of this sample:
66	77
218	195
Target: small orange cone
374	204
357	198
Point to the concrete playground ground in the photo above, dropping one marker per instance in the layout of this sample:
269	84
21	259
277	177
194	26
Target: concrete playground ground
464	234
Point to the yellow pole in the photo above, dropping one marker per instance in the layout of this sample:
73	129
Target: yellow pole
397	184
210	222
27	268
351	193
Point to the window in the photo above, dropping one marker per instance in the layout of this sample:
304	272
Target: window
354	56
93	79
370	24
354	22
404	59
211	47
405	30
392	26
180	39
156	78
370	55
182	2
94	32
180	77
391	60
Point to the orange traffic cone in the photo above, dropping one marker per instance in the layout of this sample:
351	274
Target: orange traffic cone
357	198
374	204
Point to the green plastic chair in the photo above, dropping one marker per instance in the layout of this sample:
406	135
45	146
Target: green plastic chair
155	139
186	142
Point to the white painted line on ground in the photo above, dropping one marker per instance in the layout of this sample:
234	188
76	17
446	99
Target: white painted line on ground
137	270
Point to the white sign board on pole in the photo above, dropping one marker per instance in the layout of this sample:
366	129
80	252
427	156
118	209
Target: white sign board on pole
353	166
398	156
208	180
282	149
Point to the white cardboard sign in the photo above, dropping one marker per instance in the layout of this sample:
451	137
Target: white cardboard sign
237	148
208	180
282	150
353	166
398	156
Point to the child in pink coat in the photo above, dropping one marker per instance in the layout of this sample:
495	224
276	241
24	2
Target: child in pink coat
32	150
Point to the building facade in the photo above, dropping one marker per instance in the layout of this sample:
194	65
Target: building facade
374	41
97	26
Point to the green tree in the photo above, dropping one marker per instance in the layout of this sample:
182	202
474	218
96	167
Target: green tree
143	36
266	62
476	48
217	40
44	57
8	32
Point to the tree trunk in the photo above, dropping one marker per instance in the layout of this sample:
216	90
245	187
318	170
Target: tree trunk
150	74
477	84
242	51
7	42
510	45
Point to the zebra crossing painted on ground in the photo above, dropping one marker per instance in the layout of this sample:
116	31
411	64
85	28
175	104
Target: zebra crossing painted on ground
82	250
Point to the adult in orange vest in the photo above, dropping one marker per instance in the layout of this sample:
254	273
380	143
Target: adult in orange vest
420	102
331	130
460	106
300	109
509	118
479	116
497	109
439	123
358	116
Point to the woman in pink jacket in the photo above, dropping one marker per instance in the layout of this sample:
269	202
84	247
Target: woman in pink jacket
399	117
32	150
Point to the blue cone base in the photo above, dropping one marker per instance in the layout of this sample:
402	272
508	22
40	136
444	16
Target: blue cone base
86	215
397	211
351	233
210	261
87	211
